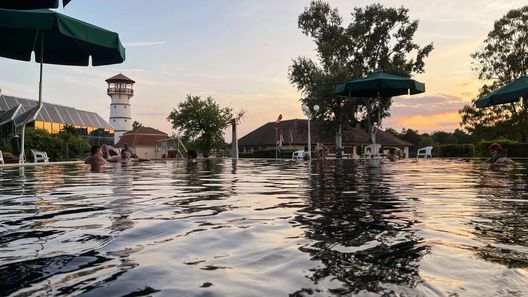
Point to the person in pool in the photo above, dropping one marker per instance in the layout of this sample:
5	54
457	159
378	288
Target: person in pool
502	157
392	155
95	160
191	156
493	148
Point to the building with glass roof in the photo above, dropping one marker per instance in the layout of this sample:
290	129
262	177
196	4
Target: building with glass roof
52	117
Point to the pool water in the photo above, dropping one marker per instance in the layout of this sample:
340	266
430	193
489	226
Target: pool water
265	228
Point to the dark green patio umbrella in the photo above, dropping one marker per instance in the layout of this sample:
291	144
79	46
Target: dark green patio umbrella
509	93
376	86
55	39
380	84
31	4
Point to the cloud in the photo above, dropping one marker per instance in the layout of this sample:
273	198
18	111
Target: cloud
426	105
144	43
448	121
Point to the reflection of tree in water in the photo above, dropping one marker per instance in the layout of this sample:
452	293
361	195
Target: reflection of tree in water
501	217
360	231
202	185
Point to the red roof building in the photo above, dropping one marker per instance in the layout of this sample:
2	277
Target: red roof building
143	140
295	135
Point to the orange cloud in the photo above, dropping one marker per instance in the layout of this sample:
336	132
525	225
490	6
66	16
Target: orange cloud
434	122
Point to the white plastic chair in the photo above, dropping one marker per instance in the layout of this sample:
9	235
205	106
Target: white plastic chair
425	152
39	156
298	154
1	158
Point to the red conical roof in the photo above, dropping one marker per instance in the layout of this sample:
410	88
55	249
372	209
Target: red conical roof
118	78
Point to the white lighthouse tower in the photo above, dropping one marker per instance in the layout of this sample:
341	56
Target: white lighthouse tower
120	91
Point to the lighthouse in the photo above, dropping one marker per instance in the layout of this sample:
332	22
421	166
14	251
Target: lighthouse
120	91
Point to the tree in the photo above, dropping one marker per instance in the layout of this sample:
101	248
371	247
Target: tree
502	58
377	38
202	122
136	125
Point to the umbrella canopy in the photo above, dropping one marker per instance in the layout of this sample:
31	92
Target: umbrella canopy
376	86
62	39
55	39
509	93
380	84
31	4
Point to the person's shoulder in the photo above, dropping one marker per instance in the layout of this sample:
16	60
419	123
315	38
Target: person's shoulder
505	161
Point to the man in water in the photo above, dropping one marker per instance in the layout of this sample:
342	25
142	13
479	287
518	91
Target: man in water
392	156
191	156
502	158
493	149
95	160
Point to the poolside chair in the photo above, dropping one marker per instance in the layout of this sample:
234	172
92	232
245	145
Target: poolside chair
425	152
1	158
39	156
298	155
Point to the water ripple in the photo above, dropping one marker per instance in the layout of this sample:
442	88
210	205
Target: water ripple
265	228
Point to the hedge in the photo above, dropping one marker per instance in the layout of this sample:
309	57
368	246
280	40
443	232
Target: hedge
481	149
269	154
454	150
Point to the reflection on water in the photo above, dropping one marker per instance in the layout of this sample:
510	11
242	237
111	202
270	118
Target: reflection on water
265	228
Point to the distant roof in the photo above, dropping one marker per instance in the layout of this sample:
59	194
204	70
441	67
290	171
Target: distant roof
54	113
119	77
145	136
295	132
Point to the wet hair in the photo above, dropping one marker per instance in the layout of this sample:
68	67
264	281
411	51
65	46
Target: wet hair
192	154
495	146
94	149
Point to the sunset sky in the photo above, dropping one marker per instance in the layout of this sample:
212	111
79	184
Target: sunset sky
239	52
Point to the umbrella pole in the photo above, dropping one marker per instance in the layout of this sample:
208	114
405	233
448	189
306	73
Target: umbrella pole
21	157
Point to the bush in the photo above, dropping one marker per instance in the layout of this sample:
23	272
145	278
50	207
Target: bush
455	150
62	146
269	154
515	149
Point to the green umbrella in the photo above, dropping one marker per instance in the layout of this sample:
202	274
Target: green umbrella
509	93
55	39
379	85
31	4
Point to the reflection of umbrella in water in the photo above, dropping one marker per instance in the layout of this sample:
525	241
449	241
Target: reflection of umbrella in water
509	93
376	86
55	39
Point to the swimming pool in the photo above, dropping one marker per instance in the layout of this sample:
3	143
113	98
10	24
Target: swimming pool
265	228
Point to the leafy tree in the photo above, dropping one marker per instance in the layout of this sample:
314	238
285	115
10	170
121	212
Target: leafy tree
136	125
410	135
202	122
461	137
378	38
441	137
502	58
